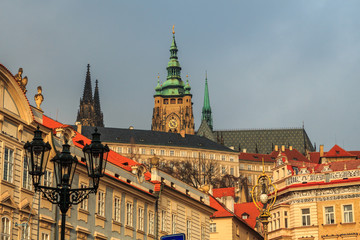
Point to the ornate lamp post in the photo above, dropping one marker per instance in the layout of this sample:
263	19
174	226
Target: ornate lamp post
64	167
260	194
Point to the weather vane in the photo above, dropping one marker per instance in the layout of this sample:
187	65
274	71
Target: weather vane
173	29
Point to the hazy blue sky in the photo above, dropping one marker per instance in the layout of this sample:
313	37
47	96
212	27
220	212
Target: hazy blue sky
270	64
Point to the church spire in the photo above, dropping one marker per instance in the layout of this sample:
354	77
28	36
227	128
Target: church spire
87	96
99	122
206	110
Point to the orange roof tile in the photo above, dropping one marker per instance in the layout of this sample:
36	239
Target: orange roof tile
248	208
224	192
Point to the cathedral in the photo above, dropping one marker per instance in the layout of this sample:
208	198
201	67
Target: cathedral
173	110
90	113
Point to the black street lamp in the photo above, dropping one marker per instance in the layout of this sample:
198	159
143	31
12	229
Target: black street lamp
64	167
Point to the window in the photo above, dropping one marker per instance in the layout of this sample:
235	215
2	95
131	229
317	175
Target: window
242	167
26	175
223	158
231	171
223	170
152	151
5	229
231	159
249	167
244	216
117	209
129	214
162	152
183	154
143	151
172	101
163	220
151	223
286	219
329	215
173	230
8	165
188	230
101	203
25	231
348	214
212	156
130	150
212	227
45	236
202	233
119	149
84	203
172	153
47	178
305	214
195	155
141	219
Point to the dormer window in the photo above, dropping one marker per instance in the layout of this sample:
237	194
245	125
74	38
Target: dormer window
245	216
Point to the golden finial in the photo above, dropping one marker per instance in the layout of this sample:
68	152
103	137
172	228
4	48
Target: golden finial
187	75
173	29
158	75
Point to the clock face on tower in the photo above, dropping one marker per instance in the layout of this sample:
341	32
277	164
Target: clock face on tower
173	123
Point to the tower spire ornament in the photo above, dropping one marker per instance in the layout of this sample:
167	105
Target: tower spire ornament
173	106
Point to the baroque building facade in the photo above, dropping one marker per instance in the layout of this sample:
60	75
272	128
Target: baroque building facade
319	199
173	111
90	113
131	202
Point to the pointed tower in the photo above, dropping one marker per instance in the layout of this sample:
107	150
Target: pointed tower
99	121
173	106
206	110
86	113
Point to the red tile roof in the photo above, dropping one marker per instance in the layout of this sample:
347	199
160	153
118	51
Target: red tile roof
248	208
221	209
337	151
224	192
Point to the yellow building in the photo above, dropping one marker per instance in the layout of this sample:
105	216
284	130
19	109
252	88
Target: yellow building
131	203
317	198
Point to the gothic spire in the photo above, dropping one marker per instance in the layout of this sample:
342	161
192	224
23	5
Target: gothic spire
99	115
206	110
87	96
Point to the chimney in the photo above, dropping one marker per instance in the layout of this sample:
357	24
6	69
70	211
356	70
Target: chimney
290	148
244	150
79	126
321	150
283	148
276	148
182	133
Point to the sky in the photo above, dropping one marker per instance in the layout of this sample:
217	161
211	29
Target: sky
270	64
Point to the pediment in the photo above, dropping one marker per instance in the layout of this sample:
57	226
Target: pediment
25	206
7	200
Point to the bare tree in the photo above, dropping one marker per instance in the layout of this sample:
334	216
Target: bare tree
194	171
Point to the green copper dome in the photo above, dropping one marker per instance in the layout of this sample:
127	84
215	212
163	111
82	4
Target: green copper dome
158	88
173	86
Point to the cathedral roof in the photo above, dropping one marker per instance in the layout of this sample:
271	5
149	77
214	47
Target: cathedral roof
264	140
148	137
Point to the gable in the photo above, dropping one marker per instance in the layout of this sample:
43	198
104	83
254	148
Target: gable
205	131
13	101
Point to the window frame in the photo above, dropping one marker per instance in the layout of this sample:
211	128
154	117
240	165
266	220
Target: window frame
141	218
344	212
212	227
101	203
7	224
306	217
129	214
9	163
329	214
27	181
117	209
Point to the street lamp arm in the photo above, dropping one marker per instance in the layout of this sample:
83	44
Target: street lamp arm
50	193
80	194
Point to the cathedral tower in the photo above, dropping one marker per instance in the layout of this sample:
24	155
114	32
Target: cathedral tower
90	113
206	110
173	106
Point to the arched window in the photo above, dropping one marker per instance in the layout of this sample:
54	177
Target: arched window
25	231
166	101
173	101
180	101
5	229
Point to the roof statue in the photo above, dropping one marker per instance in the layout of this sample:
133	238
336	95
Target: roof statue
39	98
20	80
